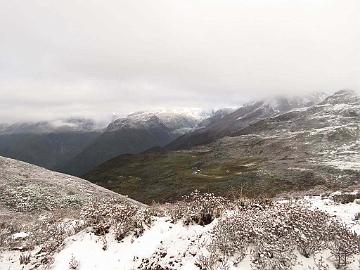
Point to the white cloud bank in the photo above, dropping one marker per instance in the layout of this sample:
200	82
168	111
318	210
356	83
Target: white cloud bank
94	57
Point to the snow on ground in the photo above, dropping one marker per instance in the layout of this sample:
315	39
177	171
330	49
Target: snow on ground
20	235
175	242
343	212
178	246
169	245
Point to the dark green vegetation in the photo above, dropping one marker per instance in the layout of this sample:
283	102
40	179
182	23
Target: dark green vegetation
222	167
165	176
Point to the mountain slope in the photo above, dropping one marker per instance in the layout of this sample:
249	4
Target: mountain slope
25	188
133	134
330	129
242	117
296	150
39	209
50	144
50	150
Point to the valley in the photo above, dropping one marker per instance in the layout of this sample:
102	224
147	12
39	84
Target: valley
296	150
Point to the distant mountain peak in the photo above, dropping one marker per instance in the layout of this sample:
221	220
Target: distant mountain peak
135	120
170	119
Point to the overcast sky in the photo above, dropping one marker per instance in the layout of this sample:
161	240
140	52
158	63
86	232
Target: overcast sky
97	57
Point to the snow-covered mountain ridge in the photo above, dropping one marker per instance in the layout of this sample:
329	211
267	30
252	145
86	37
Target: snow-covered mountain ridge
329	130
172	121
247	114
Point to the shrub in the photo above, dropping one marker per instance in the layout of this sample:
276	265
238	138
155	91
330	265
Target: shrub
123	218
271	234
197	208
275	254
346	197
343	244
319	264
73	264
25	258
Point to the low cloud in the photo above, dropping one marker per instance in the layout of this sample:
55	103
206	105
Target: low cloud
95	58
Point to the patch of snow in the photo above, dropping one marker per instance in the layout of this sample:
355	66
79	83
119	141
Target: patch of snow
343	212
20	235
176	239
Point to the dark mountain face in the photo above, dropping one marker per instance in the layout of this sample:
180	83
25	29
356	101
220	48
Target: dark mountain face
115	142
133	134
48	144
77	145
244	116
50	150
296	150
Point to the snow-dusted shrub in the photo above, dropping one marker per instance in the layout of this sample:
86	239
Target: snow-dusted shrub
273	254
343	245
346	197
319	264
198	208
7	228
45	230
212	262
309	229
24	258
273	232
123	218
157	209
233	235
74	264
50	230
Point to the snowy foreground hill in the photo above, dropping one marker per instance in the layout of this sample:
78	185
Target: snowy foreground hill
72	224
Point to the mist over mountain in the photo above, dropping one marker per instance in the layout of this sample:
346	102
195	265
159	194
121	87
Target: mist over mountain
133	134
48	143
51	126
247	114
77	145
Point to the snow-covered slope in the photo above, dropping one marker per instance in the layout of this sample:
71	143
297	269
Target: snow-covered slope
298	233
174	121
25	187
166	245
244	116
39	207
329	130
